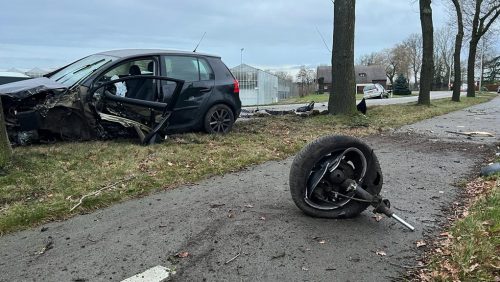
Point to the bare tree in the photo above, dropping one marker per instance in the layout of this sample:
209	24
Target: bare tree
457	81
390	63
370	59
342	99
485	12
305	78
5	149
283	75
424	95
402	58
443	48
413	45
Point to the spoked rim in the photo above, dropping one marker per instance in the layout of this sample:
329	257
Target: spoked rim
323	189
220	121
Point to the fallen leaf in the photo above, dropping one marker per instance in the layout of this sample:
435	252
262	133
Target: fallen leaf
421	243
381	253
182	254
473	267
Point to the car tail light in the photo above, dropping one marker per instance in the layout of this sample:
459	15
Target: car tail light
236	87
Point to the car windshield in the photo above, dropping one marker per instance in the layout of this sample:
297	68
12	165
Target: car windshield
81	69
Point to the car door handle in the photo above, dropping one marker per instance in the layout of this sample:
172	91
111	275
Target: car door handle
205	89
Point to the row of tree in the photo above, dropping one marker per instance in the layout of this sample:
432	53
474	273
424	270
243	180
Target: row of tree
431	58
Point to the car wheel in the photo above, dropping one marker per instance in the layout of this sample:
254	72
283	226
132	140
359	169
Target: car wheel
219	119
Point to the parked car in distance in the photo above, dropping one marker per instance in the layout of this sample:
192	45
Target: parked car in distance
115	93
375	90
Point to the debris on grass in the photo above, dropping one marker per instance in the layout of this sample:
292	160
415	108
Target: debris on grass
96	193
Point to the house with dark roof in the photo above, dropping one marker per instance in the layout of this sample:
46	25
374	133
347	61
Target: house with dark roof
364	75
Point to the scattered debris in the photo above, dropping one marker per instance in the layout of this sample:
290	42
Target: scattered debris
307	108
45	228
262	218
490	169
362	106
473	133
321	241
233	258
213	206
305	268
278	256
182	254
49	244
381	253
421	243
280	113
377	217
95	193
249	206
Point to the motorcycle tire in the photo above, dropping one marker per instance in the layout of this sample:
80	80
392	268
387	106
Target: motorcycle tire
313	153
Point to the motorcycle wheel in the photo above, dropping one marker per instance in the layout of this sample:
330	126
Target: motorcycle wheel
327	162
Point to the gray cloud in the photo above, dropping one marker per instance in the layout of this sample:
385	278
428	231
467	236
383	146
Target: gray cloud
274	33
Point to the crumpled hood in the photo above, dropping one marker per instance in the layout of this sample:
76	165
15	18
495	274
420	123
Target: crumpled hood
26	88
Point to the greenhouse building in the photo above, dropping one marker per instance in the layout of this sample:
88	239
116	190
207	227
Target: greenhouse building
258	87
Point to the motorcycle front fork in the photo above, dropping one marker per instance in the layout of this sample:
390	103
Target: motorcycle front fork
381	205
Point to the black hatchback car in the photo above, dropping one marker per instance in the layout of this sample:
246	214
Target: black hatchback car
110	94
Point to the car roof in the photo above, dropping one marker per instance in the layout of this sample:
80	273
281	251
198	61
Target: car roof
124	53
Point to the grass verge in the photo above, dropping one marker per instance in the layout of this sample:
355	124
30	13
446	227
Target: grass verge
470	250
44	182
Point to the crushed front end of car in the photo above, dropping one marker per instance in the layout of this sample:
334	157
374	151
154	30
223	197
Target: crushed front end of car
41	109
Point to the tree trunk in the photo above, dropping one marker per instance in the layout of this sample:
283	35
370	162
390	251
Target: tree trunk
457	81
424	96
471	65
5	149
342	99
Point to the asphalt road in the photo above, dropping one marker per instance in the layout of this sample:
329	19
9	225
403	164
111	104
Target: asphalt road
369	102
251	213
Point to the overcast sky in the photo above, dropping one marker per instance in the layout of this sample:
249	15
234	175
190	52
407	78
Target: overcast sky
275	34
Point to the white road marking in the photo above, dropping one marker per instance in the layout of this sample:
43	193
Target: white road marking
155	274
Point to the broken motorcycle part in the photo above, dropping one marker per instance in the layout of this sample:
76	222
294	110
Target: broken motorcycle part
338	177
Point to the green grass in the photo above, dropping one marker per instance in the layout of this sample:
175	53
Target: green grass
43	182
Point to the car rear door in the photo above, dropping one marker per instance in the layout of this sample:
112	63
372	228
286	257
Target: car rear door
199	82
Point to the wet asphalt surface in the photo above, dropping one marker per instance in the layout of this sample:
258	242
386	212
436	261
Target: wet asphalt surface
251	213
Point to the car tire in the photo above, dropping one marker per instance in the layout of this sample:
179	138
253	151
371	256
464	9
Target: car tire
219	119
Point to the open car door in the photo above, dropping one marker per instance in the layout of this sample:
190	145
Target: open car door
137	102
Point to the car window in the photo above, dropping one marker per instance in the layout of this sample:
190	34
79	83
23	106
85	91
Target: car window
81	69
135	67
369	87
140	88
205	70
187	68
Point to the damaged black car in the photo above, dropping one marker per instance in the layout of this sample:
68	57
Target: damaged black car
123	93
